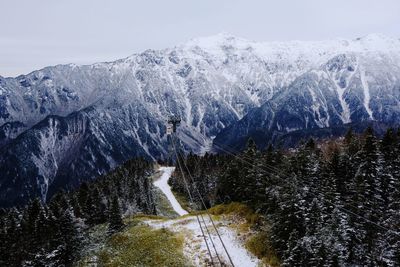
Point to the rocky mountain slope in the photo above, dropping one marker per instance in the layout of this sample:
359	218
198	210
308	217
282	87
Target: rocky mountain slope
349	88
68	123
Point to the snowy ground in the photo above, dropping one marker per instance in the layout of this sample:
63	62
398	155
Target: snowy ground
162	184
195	248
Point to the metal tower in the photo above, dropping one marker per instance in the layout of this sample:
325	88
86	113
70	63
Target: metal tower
172	124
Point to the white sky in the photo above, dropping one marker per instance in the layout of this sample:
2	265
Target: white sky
38	33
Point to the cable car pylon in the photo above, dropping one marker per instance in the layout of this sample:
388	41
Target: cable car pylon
172	124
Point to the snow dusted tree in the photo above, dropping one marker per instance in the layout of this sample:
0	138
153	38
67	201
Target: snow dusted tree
11	239
69	238
114	217
290	216
368	173
52	235
230	181
388	170
95	207
249	173
296	253
390	187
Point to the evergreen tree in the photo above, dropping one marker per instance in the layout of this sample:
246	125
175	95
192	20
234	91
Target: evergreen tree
29	242
229	183
52	234
305	164
290	216
313	218
95	207
246	180
295	253
11	240
83	195
68	238
388	151
115	219
351	143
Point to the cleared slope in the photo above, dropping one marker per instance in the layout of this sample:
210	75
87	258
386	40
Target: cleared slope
194	247
162	184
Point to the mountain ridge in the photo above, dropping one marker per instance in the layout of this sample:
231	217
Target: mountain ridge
226	35
215	86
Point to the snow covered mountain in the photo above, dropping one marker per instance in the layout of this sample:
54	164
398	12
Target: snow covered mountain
358	83
68	123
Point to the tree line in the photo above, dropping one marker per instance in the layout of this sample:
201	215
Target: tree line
54	233
335	203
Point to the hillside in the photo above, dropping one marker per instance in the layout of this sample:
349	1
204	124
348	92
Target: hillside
67	123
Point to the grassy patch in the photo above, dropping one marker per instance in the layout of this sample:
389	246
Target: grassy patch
145	216
163	205
181	198
258	244
140	245
96	240
239	209
256	241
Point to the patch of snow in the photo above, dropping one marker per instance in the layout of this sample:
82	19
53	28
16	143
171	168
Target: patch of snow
346	113
195	248
162	183
321	122
208	143
367	96
188	111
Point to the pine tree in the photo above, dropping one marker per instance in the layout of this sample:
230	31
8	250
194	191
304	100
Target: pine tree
305	164
76	207
3	240
313	218
29	243
290	216
393	223
41	238
95	207
68	238
295	252
345	175
249	176
83	195
229	182
115	219
387	148
11	241
51	235
351	143
368	194
321	256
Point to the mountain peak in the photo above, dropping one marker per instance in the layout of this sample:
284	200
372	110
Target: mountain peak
373	36
218	43
216	40
378	41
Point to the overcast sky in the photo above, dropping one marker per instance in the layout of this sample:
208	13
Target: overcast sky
38	33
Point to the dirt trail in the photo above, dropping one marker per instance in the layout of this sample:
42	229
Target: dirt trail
194	246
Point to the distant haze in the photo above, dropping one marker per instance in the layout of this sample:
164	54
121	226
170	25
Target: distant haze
35	34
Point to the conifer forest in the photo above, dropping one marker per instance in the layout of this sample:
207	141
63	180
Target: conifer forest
245	133
329	203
